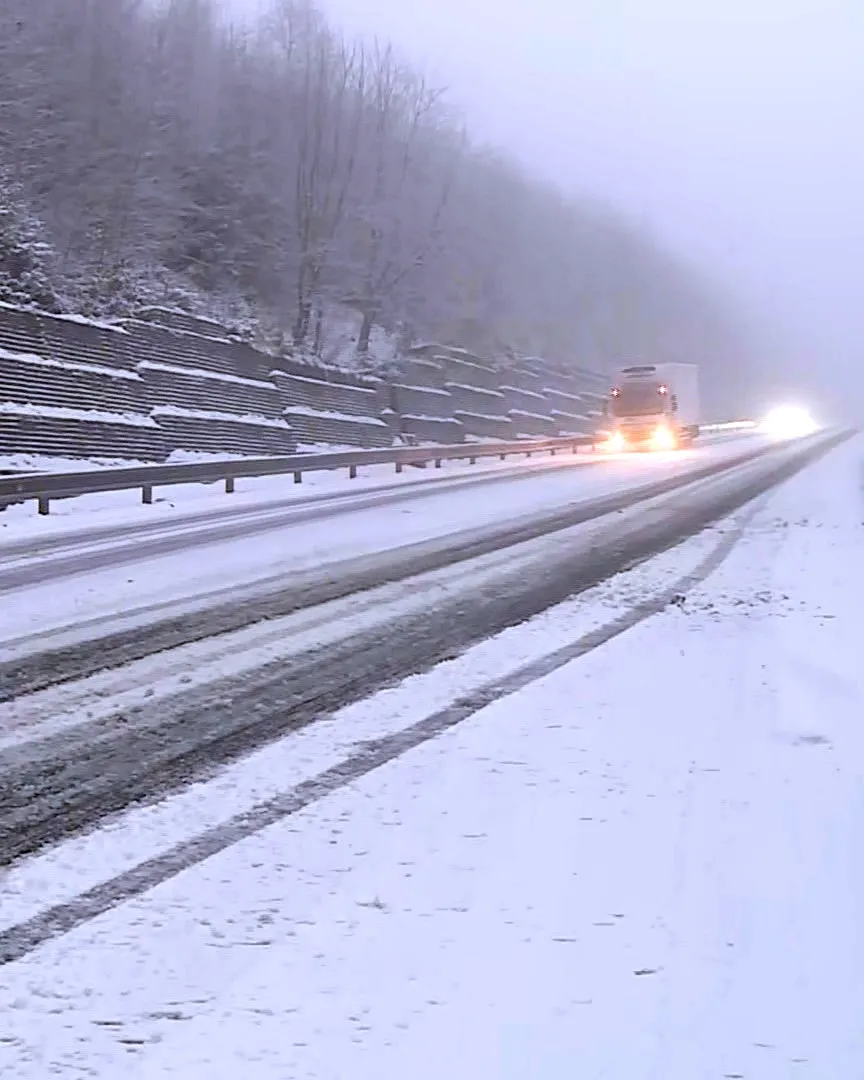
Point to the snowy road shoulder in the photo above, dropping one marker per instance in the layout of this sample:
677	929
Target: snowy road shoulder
642	865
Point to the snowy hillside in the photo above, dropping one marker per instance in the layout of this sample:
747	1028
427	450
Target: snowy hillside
179	170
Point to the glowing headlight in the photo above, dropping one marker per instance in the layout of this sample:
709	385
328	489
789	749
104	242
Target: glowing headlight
616	443
663	438
788	422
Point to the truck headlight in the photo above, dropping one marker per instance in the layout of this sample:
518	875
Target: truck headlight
663	438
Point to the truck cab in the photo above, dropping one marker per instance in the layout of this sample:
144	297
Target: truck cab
645	411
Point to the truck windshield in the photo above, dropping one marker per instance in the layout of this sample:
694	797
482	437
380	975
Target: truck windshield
637	399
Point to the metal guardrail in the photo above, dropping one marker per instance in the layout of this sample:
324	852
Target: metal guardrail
730	425
47	486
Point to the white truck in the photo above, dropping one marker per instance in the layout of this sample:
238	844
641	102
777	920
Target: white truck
653	407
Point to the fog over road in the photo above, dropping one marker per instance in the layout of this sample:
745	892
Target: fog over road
727	127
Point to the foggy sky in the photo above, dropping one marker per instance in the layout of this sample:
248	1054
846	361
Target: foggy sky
733	128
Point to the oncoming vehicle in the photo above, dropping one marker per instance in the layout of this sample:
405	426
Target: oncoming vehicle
653	407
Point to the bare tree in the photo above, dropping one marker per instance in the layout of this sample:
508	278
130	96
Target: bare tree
325	82
409	163
148	148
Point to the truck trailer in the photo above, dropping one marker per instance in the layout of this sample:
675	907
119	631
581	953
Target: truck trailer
653	407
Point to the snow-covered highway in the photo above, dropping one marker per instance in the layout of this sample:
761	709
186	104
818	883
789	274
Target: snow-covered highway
553	854
102	720
117	566
97	531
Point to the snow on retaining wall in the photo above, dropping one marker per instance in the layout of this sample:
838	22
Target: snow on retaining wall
322	410
321	383
202	373
446	393
328	414
68	365
59	412
220	417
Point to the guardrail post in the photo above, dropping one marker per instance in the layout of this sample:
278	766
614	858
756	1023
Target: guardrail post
229	485
398	466
502	457
437	462
352	472
147	495
298	477
44	505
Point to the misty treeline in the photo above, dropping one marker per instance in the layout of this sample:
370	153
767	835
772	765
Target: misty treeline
150	152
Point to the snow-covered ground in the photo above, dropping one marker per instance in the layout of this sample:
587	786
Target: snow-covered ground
642	863
273	552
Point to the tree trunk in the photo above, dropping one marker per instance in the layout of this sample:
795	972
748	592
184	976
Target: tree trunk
300	330
365	332
318	341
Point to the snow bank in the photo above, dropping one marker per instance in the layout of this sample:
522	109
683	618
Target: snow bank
192	457
327	448
47	463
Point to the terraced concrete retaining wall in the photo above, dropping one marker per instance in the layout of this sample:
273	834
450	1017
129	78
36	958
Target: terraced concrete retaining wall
167	383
